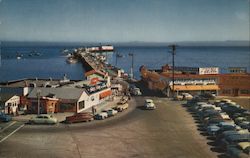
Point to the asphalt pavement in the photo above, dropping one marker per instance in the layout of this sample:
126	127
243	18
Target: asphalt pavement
169	131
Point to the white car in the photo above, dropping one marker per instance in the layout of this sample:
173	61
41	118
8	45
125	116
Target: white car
149	104
111	112
101	116
187	96
43	119
122	107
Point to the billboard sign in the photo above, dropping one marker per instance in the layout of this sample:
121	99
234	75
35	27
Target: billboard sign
208	70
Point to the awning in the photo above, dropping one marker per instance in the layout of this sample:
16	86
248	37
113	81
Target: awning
195	87
105	94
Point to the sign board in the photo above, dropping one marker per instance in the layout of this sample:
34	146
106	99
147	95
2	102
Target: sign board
209	70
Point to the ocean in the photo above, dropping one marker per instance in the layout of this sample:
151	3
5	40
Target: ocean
51	62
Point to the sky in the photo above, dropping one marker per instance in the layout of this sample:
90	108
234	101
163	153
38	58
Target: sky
124	20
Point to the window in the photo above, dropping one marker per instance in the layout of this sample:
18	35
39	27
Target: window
81	105
226	91
244	91
65	107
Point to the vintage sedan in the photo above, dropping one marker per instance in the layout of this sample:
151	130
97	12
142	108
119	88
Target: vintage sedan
120	108
5	118
101	116
241	150
79	117
43	119
149	104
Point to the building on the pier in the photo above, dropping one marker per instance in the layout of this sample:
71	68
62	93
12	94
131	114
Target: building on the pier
75	97
196	81
59	95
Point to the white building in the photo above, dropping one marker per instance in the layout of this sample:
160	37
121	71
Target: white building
9	103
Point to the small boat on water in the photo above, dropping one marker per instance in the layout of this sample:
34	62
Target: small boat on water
19	56
69	55
65	51
34	53
71	60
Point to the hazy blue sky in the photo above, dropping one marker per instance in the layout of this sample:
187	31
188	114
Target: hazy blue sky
124	20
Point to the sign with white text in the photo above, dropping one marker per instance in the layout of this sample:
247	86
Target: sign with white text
209	70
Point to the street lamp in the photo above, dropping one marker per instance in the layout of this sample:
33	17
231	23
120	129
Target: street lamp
132	65
38	93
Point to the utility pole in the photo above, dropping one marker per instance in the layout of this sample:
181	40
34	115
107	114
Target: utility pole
173	49
132	65
38	101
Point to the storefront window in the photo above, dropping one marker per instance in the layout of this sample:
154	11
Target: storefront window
226	91
66	107
244	91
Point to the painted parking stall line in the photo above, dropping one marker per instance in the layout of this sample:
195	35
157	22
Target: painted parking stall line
13	132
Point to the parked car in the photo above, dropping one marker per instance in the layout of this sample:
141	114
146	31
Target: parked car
123	100
187	96
149	104
122	107
234	139
43	119
245	125
135	91
79	117
238	120
178	97
207	96
101	116
241	150
5	118
111	112
222	126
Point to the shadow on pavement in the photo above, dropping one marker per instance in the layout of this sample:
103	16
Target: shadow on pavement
223	156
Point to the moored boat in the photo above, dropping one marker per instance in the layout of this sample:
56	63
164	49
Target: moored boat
71	60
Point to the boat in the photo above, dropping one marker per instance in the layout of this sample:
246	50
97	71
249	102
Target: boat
65	51
19	56
71	60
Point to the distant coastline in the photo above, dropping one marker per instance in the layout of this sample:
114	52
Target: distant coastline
133	43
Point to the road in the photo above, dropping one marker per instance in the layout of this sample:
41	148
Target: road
168	131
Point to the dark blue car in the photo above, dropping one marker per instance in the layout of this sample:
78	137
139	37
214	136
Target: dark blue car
5	118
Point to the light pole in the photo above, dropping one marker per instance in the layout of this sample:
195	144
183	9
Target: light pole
132	65
38	93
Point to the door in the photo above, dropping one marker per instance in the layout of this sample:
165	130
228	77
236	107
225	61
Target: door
235	92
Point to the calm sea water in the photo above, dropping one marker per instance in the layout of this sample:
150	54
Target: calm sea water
52	63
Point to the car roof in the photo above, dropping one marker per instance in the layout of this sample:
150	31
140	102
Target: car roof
226	100
149	100
227	123
244	145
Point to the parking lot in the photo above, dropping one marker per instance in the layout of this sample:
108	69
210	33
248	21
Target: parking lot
168	131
